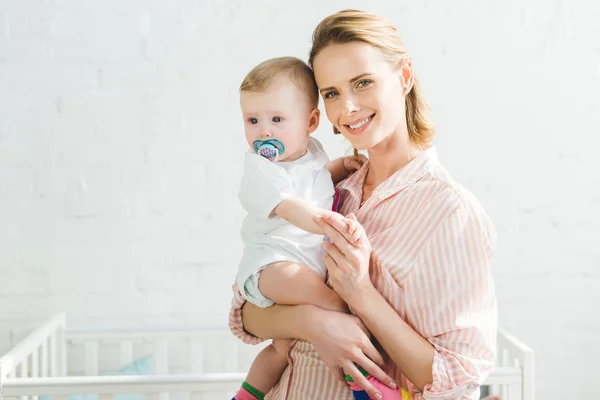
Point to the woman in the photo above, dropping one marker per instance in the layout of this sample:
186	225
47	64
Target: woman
419	278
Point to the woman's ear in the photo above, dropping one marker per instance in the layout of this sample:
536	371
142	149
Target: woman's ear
407	77
313	120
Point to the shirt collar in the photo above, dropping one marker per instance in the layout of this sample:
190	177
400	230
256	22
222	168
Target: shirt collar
404	177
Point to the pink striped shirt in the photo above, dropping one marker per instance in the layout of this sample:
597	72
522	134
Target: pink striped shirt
432	248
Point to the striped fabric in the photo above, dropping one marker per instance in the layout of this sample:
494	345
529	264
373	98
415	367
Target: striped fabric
432	248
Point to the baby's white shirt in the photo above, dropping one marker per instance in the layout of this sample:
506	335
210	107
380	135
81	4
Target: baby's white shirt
269	238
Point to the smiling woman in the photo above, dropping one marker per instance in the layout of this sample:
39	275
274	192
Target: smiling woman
418	275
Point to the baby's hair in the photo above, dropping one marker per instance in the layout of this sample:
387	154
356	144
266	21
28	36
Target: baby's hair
260	77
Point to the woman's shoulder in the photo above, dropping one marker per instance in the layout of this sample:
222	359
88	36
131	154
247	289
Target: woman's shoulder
462	204
442	194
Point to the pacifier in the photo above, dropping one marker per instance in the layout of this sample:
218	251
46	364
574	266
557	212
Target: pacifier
270	148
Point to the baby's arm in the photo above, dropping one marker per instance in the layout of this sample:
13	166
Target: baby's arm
300	213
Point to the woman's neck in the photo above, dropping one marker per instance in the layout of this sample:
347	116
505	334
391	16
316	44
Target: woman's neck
388	157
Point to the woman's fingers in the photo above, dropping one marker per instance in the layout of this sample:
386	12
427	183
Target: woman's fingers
374	370
337	230
371	352
339	374
361	381
334	253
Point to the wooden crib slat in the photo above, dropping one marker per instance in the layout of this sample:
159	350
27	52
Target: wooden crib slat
231	360
505	362
91	358
23	369
53	359
196	356
126	352
24	373
61	351
35	363
197	396
35	367
161	356
44	363
105	396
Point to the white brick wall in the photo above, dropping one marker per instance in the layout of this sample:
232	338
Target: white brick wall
121	144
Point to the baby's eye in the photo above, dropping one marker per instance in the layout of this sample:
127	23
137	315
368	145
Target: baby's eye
364	83
330	95
253	121
276	119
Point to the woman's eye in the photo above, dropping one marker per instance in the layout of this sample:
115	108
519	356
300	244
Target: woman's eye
276	119
330	95
364	83
253	121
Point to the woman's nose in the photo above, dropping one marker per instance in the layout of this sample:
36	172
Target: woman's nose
349	108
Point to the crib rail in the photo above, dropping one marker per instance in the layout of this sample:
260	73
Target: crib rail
37	365
195	339
513	377
197	385
41	354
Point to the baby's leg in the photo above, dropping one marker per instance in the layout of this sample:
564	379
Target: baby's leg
265	371
293	283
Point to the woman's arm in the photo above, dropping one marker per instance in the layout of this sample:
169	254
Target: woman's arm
276	322
339	338
451	301
411	353
348	266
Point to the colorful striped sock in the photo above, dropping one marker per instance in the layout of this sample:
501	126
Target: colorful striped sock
247	392
386	392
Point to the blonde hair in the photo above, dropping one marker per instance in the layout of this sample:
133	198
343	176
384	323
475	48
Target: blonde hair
359	26
261	77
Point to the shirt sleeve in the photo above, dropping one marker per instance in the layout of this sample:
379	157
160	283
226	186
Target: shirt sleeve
264	185
236	324
453	303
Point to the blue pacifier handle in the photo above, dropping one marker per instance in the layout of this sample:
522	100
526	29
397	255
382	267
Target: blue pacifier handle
270	148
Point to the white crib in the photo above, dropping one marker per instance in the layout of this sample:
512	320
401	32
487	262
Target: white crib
188	364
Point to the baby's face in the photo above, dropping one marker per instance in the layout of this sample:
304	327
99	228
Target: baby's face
282	112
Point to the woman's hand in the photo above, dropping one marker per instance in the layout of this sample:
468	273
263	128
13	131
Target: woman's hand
343	343
347	259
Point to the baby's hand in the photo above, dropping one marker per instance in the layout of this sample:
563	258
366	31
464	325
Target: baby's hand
353	163
352	226
353	230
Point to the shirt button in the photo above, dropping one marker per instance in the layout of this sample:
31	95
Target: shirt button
471	387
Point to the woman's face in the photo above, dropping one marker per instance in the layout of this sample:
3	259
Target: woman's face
363	93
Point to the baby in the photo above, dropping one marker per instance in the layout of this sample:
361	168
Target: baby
287	180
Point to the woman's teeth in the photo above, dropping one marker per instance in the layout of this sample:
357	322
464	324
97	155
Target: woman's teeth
361	123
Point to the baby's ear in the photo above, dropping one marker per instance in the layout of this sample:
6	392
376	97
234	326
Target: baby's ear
313	121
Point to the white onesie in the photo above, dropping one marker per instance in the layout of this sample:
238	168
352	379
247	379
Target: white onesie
269	238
